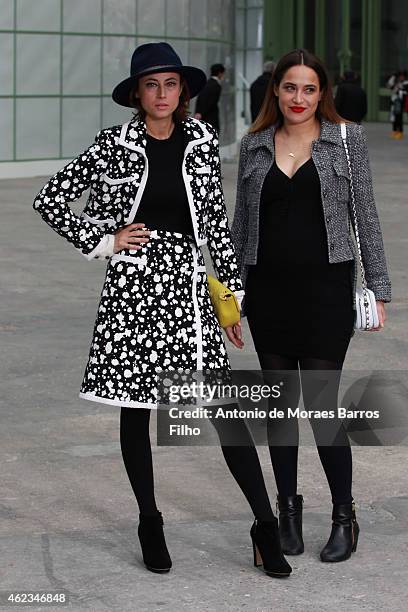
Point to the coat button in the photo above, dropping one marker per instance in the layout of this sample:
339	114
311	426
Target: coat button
332	246
328	217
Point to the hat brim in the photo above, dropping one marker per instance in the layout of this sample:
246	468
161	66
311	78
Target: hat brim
195	79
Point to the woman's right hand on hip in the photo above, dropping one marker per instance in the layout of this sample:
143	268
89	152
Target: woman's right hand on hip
131	237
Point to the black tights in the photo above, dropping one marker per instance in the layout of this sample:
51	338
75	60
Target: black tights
137	456
336	459
242	461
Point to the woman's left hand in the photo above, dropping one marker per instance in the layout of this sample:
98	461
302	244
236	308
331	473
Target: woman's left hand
381	316
234	334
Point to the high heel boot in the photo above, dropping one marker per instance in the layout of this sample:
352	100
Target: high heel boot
344	534
290	524
267	549
155	554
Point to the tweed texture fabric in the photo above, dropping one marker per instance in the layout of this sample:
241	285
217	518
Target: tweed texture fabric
257	155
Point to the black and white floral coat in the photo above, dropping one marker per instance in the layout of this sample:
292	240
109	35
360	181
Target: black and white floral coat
133	339
115	168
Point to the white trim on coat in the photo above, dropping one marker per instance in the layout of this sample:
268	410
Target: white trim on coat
143	181
137	260
187	178
199	333
129	404
103	249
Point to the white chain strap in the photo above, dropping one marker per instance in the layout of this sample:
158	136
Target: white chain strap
353	205
355	223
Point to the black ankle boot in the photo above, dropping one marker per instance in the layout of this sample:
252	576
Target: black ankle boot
344	534
155	554
267	549
290	524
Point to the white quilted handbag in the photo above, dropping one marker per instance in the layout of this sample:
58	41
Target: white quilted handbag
366	307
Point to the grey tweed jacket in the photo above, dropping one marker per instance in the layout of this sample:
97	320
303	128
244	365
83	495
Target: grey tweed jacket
256	158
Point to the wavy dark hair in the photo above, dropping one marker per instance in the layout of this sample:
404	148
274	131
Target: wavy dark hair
270	112
181	112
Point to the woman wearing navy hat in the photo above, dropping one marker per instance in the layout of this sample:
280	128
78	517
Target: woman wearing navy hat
156	197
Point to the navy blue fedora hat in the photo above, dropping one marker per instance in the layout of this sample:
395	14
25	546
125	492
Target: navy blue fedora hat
157	57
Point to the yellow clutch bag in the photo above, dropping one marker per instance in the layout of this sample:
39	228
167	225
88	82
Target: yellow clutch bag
225	303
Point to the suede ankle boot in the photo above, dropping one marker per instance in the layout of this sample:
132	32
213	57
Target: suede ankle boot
155	554
267	549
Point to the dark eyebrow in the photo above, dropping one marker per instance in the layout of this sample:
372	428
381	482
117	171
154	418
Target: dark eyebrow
157	80
294	84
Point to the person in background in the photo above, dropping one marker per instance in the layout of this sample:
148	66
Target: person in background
399	88
258	89
207	101
405	83
351	99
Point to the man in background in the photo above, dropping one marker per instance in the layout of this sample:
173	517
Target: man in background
207	100
351	99
258	89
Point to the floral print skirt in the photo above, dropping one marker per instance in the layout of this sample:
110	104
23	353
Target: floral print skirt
154	315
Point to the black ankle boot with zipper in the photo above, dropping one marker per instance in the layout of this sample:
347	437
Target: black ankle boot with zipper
155	554
290	524
344	534
267	549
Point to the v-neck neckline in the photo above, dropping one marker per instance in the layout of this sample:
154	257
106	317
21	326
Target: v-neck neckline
290	178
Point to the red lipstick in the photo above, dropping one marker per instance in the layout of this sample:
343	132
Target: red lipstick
297	109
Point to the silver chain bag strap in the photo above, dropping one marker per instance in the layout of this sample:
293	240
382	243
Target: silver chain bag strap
366	307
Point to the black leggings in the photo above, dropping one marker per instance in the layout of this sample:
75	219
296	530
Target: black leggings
137	456
242	461
336	457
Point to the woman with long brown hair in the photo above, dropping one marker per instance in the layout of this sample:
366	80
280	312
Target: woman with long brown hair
298	264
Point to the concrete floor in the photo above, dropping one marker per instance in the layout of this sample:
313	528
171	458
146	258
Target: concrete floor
69	518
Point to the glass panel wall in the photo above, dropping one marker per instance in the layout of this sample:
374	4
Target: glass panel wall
60	59
249	52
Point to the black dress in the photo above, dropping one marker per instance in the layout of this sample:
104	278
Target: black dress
297	303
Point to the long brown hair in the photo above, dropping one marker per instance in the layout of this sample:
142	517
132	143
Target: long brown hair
181	112
270	112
